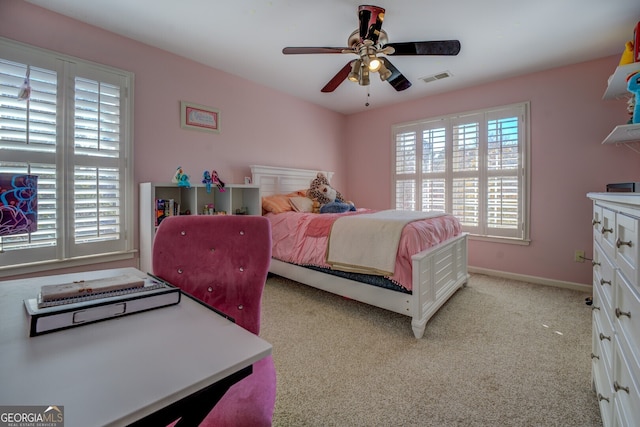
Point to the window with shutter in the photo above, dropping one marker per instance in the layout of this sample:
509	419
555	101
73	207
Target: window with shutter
473	165
73	132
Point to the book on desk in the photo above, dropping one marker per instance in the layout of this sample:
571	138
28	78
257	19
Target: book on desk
68	305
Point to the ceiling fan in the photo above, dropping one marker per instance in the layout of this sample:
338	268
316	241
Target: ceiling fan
368	42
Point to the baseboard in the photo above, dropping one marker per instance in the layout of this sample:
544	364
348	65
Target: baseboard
532	279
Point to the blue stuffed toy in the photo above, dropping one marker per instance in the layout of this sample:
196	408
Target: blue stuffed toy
633	86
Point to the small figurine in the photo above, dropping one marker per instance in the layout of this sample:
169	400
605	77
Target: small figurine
217	181
206	179
181	178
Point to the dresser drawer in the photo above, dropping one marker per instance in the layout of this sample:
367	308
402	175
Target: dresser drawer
608	232
602	339
603	278
627	246
626	320
597	223
603	385
626	392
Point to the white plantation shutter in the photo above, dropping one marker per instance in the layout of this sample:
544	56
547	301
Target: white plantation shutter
73	133
434	167
465	170
474	165
406	168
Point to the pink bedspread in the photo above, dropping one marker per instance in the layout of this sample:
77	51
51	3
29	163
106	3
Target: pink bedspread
301	238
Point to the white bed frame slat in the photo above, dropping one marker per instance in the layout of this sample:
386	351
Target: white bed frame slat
438	272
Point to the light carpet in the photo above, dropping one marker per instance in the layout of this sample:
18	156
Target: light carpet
499	353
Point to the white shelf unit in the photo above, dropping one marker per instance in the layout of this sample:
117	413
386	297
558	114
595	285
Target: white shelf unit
617	89
192	200
623	134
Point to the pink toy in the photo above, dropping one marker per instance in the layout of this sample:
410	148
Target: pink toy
217	181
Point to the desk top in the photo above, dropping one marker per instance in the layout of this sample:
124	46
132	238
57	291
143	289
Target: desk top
116	371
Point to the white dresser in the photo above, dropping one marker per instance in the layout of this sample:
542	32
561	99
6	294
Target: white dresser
616	307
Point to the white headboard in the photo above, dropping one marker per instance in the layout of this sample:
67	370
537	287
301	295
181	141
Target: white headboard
275	180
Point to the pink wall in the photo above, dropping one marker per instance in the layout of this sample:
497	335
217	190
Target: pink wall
259	125
262	126
569	120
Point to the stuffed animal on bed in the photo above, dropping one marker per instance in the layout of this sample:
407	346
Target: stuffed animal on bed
327	198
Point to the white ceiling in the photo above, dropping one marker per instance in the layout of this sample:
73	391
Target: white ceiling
499	38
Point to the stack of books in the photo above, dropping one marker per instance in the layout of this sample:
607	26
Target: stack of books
66	305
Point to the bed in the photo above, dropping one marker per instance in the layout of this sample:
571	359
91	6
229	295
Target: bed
436	273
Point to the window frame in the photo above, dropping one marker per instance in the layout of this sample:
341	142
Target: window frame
65	253
483	231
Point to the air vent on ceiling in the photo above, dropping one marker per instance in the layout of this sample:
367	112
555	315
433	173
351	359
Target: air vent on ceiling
439	76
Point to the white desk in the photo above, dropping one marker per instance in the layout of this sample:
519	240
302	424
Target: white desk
117	371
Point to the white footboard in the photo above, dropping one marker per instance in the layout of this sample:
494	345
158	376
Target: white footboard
437	273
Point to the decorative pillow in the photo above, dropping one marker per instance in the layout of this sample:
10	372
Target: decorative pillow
301	204
277	203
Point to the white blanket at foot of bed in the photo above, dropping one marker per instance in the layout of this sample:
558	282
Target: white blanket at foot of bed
368	243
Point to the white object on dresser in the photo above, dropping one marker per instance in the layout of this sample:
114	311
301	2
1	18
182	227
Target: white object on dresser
616	307
235	197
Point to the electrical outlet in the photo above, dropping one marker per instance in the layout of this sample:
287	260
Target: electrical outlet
578	256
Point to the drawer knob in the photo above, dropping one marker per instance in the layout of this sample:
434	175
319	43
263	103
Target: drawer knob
622	313
618	387
595	222
595	356
604	337
595	264
605	282
606	230
601	397
621	243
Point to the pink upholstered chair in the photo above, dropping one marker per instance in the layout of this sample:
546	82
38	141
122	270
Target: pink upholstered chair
223	261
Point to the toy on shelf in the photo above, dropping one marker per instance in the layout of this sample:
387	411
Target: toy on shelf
206	180
633	86
627	55
181	178
217	181
636	41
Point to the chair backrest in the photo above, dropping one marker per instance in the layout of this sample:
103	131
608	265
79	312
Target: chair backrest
222	260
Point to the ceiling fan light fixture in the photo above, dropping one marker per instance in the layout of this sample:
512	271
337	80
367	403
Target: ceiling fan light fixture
384	72
374	63
364	76
354	75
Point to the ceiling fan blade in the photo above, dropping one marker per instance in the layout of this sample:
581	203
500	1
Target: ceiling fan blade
370	18
441	47
338	78
397	80
304	50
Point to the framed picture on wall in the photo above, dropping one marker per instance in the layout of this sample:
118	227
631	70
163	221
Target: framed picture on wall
199	117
